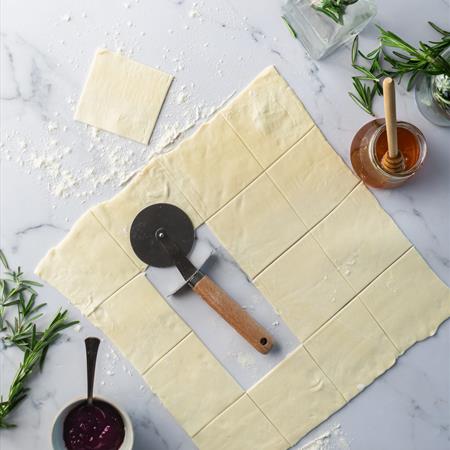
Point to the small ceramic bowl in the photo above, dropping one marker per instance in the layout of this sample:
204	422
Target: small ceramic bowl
57	439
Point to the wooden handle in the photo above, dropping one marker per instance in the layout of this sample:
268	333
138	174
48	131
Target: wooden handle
391	116
233	313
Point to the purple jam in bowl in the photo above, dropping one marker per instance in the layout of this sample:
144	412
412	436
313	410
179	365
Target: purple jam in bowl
93	427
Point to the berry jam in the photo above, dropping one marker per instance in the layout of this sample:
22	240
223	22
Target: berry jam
94	427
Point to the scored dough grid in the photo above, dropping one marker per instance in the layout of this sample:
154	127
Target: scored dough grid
278	148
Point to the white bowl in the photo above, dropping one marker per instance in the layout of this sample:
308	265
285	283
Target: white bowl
57	439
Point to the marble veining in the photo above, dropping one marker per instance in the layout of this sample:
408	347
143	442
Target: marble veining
212	48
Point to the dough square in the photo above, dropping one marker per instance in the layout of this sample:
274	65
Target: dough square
192	384
87	266
257	226
296	396
268	117
313	177
152	185
408	300
242	426
140	323
122	96
352	349
305	287
212	166
360	238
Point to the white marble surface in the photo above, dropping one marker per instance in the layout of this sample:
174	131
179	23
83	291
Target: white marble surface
214	48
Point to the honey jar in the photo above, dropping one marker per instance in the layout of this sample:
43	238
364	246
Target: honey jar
370	144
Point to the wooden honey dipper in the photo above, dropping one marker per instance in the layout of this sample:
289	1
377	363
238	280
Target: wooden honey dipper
393	160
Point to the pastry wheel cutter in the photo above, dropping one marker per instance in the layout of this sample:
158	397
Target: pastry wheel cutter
161	236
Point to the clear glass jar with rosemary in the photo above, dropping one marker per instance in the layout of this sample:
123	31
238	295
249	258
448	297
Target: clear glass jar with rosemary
433	95
324	25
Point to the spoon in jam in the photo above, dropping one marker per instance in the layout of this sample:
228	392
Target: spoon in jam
92	344
93	424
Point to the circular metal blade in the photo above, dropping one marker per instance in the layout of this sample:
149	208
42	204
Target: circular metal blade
161	215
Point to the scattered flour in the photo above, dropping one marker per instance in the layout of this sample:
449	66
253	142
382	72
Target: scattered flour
245	360
77	161
334	439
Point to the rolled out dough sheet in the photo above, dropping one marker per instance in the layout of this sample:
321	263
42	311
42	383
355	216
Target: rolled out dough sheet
152	185
262	217
257	225
192	384
305	287
352	349
296	396
140	323
242	426
360	238
268	117
313	177
212	166
122	96
408	300
87	266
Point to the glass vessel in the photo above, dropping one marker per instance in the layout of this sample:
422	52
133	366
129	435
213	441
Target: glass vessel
321	35
370	144
433	96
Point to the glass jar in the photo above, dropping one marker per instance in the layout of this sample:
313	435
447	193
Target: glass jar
320	34
433	96
370	144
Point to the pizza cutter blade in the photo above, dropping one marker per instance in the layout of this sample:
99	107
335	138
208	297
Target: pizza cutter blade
161	236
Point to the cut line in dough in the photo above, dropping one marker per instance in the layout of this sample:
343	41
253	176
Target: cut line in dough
156	327
296	395
352	349
242	426
87	266
151	185
192	384
408	300
312	290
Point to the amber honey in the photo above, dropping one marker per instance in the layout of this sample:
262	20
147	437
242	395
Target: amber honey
370	144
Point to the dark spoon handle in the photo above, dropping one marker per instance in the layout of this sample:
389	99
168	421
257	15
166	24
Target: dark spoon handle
92	344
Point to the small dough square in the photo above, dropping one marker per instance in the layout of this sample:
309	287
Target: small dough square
296	396
408	301
122	96
257	226
313	177
192	384
352	349
242	426
305	287
152	185
360	238
140	323
268	117
212	166
87	266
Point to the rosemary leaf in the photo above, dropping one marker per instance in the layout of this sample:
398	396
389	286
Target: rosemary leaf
438	29
355	49
359	103
289	26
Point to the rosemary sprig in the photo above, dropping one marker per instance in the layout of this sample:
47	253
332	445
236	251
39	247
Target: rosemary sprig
402	58
23	333
334	9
